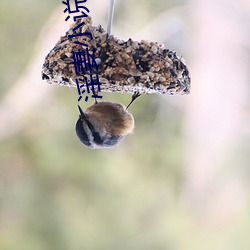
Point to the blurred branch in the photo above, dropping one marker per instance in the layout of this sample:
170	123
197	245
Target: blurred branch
29	91
216	111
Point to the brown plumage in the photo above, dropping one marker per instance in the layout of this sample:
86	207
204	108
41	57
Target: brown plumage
104	124
111	117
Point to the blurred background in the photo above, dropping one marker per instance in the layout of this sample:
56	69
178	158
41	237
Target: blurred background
180	182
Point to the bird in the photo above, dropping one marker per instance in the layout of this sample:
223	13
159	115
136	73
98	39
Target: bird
104	124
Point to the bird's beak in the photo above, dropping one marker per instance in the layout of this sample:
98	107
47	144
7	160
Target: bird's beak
82	115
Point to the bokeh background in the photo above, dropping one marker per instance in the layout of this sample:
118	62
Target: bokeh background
180	182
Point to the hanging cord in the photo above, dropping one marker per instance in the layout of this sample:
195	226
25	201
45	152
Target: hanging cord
110	15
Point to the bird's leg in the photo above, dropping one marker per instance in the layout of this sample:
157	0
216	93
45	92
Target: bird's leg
134	97
95	93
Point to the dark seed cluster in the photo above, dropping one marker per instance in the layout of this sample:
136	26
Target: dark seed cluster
123	66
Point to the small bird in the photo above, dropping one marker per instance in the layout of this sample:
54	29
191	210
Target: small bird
104	125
